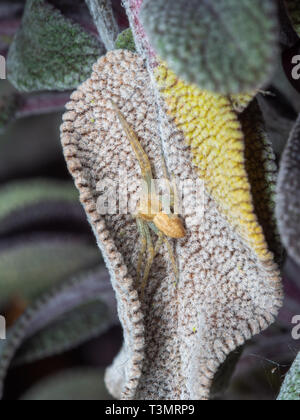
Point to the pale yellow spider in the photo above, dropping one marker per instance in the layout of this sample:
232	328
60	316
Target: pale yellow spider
149	213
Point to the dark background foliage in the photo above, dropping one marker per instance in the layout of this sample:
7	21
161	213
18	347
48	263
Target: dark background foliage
50	218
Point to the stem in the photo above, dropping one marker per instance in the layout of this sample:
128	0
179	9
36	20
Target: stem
102	13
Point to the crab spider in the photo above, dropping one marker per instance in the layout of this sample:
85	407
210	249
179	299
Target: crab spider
150	215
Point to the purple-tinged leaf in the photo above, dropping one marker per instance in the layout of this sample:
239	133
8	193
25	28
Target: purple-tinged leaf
288	195
40	203
81	324
42	103
50	307
30	265
50	52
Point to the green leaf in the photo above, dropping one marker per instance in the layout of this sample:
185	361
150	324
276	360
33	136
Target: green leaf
83	384
290	390
225	46
18	195
53	305
50	52
293	8
125	41
67	332
34	264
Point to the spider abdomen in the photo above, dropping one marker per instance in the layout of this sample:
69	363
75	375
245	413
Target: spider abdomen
170	225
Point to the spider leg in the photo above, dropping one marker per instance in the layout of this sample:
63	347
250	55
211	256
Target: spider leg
164	239
151	256
140	154
172	258
143	236
159	243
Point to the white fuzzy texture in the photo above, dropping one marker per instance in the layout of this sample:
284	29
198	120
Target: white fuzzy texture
175	341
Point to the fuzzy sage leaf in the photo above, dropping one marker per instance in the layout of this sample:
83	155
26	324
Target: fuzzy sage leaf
226	46
125	41
31	265
290	390
288	195
38	202
50	52
50	307
69	331
18	195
